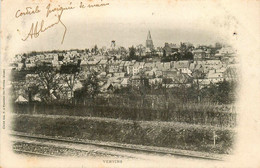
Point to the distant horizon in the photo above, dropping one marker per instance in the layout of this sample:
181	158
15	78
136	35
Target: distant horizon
126	23
157	43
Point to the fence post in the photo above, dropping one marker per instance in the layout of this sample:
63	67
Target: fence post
214	137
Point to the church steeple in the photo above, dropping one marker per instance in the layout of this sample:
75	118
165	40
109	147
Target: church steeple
149	36
149	41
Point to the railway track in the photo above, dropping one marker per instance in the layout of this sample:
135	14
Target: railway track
34	153
119	147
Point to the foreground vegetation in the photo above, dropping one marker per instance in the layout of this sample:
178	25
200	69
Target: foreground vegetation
207	114
150	133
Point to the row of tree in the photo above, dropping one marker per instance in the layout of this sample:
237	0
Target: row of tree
221	92
50	84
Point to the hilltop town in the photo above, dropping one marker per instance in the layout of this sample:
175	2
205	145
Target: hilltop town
62	73
177	96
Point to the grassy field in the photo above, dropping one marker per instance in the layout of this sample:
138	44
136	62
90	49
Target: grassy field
150	133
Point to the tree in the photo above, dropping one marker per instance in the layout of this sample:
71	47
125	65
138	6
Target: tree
183	48
164	53
218	45
23	62
33	53
194	91
221	92
196	86
209	93
90	88
122	50
132	53
32	91
48	79
144	86
87	50
70	80
70	68
225	92
95	50
140	49
187	56
69	75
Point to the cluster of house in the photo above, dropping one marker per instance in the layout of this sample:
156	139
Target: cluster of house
201	52
120	73
168	74
206	67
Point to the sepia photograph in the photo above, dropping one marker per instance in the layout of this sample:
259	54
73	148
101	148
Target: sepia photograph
110	83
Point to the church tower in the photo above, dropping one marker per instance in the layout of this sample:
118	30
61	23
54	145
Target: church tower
149	41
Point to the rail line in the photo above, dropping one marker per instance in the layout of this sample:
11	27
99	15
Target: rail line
34	153
133	148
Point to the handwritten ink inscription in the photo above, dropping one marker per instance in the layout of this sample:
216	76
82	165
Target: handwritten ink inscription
37	28
40	27
29	11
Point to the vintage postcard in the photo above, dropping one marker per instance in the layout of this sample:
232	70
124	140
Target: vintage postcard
130	83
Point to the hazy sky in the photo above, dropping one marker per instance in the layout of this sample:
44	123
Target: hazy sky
126	22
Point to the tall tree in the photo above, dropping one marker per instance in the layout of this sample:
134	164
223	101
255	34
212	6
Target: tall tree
70	80
140	50
95	49
164	53
49	80
90	88
132	53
